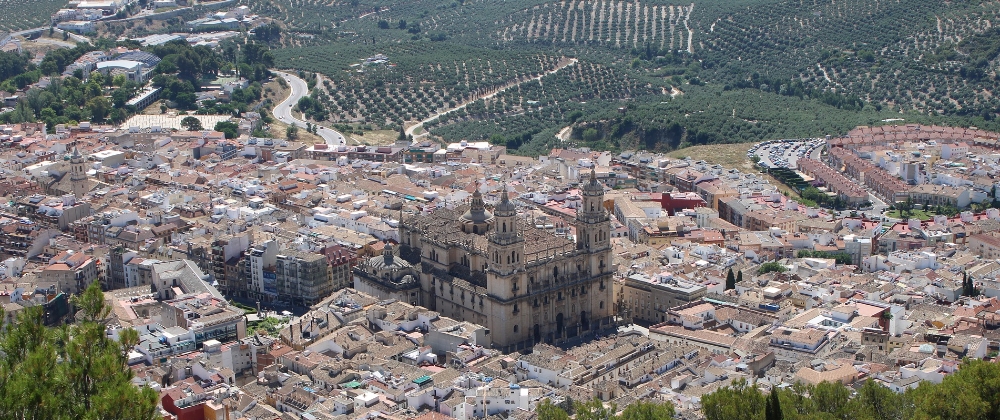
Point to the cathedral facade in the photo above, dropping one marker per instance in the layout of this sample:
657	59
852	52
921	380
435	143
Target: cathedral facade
525	284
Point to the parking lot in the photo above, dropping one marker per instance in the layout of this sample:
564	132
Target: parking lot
784	153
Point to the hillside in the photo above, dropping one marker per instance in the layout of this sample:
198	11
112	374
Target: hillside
26	14
648	73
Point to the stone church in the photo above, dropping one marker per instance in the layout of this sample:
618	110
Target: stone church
496	269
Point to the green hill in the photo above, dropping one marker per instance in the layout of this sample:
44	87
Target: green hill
648	74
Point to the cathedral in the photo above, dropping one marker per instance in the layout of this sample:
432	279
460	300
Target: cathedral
496	269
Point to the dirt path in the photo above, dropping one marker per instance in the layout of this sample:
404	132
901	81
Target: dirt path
563	134
412	128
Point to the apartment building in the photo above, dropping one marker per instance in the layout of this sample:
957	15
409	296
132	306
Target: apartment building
72	271
848	191
940	195
302	277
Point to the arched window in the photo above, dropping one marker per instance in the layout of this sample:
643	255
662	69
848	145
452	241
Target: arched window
505	226
601	304
515	329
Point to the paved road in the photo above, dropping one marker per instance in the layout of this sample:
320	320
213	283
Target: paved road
283	112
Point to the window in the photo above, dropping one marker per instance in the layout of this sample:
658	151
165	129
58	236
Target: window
515	329
602	304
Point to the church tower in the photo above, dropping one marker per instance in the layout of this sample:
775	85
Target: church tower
593	226
505	274
506	250
77	174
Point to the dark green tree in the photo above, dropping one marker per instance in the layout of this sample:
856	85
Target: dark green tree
738	401
594	410
771	266
73	371
228	128
191	123
773	409
730	280
647	410
548	411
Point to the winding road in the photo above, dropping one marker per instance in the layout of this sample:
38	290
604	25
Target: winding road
283	112
409	131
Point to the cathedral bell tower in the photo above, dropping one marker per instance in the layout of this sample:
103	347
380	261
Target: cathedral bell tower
77	174
593	227
506	250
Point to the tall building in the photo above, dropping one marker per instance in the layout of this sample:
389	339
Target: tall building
304	278
288	276
523	283
117	258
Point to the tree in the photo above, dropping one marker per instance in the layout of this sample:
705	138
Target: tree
878	402
771	266
191	123
594	410
228	128
730	280
739	277
969	286
773	409
292	132
72	371
969	393
647	410
738	401
383	24
548	411
831	397
99	107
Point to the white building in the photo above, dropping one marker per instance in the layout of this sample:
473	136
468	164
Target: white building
78	26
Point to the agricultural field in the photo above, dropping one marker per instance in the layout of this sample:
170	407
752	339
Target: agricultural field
426	78
656	74
26	14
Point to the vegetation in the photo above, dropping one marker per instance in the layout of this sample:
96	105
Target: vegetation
969	286
267	326
840	257
969	393
103	99
72	371
646	75
25	14
595	410
191	123
771	266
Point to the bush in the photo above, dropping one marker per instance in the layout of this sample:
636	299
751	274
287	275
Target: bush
772	266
